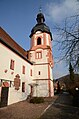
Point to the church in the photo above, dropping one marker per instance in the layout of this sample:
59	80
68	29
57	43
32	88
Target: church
26	73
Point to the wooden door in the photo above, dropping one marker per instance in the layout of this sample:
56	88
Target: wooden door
4	96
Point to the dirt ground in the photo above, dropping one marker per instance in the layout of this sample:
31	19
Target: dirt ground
25	110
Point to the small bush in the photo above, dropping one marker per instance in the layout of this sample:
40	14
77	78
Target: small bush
37	100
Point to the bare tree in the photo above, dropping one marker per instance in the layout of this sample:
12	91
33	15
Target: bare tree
69	40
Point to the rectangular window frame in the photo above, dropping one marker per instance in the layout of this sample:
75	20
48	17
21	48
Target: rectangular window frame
23	86
30	72
39	73
12	63
38	55
23	69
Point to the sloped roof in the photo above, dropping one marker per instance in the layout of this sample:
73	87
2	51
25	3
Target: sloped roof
10	43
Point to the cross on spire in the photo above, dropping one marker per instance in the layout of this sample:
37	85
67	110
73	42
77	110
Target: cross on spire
40	7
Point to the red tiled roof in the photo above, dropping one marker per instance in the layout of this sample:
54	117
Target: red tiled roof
12	44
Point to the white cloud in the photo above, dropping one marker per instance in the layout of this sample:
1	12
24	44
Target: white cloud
57	12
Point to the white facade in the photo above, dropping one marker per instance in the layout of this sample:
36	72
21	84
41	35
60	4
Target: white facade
35	60
5	57
24	73
41	55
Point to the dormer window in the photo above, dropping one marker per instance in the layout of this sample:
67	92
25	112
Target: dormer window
39	41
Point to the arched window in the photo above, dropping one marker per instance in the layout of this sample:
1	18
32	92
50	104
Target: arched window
39	41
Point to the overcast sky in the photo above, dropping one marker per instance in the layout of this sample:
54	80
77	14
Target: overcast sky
17	18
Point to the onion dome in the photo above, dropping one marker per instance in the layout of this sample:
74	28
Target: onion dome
40	26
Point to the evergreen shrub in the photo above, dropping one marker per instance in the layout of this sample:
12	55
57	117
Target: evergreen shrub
37	100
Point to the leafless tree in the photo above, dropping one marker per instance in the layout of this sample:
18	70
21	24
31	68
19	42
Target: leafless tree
69	40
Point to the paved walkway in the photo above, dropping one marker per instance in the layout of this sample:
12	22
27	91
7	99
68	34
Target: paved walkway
62	109
25	110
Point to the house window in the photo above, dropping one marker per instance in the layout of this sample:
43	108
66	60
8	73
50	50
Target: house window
39	41
38	55
12	64
27	56
31	72
30	54
23	69
23	86
39	73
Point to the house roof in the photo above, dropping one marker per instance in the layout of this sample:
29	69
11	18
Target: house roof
11	44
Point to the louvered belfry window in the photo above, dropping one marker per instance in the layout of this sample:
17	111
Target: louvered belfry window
39	41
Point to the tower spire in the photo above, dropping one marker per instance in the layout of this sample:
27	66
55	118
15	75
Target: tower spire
40	7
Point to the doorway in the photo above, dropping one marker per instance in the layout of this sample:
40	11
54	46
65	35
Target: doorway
4	93
4	96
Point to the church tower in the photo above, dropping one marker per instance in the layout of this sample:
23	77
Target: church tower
40	54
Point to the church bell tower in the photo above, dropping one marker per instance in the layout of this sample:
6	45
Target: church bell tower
40	54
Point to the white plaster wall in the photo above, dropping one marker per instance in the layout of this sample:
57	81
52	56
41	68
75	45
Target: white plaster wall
51	82
47	40
43	72
35	40
42	89
51	74
5	57
39	61
32	57
52	89
15	96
